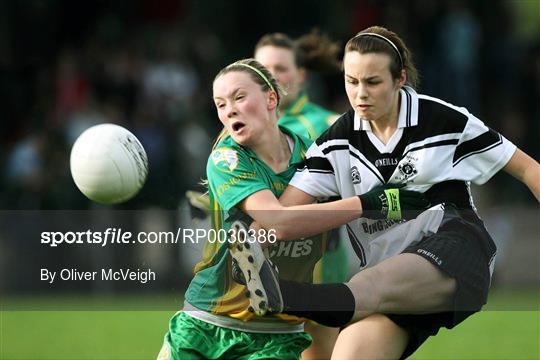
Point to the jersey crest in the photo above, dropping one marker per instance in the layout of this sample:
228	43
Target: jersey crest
407	169
225	159
355	175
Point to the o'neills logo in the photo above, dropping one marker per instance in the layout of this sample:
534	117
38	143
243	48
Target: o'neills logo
430	255
386	162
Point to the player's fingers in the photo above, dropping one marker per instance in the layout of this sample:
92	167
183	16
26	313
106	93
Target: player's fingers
413	199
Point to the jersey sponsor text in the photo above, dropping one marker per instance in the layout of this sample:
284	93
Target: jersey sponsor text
233	181
292	249
380	225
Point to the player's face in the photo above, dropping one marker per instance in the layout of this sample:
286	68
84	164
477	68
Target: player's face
243	107
280	62
372	92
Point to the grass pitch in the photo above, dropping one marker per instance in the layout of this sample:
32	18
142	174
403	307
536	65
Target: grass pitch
126	327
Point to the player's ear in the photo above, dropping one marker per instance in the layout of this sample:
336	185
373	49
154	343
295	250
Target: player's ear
301	75
403	78
272	100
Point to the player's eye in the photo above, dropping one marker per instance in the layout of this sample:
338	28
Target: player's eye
220	105
351	81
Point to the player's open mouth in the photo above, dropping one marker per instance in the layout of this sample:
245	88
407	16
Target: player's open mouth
237	126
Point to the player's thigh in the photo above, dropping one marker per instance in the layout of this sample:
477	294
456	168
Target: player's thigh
404	283
324	339
375	337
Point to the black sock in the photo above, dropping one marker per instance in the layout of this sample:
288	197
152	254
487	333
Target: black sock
328	304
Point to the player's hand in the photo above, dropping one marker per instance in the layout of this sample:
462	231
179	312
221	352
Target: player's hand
199	201
391	202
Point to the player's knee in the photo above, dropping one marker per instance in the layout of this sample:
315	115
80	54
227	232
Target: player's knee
368	283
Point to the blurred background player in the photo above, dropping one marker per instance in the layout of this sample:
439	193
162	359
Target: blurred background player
289	62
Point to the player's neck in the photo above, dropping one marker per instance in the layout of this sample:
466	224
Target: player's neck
384	131
273	149
387	125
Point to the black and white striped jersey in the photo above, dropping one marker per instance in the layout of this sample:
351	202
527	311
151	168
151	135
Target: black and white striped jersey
438	149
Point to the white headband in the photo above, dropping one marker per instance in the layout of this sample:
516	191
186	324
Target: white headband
387	40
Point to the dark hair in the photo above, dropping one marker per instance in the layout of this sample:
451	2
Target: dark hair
313	51
402	59
258	73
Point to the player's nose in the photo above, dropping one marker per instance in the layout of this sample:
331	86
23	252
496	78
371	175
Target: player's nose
231	111
361	92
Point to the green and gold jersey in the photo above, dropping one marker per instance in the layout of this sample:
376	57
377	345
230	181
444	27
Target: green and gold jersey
234	173
307	119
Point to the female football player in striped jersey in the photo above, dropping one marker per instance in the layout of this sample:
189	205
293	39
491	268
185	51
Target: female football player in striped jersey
418	275
289	61
254	156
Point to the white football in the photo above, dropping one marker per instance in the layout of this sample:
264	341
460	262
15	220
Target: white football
108	164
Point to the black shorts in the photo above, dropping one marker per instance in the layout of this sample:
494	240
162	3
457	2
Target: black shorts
464	250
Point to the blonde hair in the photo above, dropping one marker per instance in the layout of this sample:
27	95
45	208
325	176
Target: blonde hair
259	74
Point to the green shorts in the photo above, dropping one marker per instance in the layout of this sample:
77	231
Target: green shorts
190	338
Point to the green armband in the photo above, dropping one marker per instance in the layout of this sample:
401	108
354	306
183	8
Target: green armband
394	208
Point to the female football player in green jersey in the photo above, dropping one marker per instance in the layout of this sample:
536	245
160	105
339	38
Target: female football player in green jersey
289	62
253	155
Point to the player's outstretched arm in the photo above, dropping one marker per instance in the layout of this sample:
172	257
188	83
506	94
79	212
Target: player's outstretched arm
297	221
526	169
294	196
